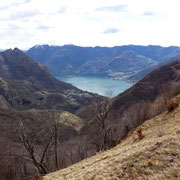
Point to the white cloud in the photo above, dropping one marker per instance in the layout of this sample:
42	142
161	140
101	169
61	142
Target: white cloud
117	8
111	31
148	13
25	23
23	14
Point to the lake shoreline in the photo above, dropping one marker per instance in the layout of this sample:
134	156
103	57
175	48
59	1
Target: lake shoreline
97	84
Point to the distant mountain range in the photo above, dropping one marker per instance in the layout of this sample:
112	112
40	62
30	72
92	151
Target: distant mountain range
117	62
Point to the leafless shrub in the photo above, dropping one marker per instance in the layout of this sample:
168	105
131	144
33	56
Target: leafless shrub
136	114
168	91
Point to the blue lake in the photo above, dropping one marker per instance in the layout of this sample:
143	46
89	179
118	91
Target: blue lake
99	85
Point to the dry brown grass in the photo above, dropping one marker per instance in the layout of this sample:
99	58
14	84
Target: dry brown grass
152	157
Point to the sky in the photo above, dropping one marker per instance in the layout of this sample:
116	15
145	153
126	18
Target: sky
25	23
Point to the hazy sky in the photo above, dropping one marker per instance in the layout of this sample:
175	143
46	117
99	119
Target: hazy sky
25	23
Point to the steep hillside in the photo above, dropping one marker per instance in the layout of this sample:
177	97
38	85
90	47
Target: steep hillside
16	65
26	84
143	100
34	118
44	52
35	114
155	155
70	123
117	62
150	87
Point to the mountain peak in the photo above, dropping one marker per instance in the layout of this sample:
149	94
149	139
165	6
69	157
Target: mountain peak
32	85
16	49
20	66
13	50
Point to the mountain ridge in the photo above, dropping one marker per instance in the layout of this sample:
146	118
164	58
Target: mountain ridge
28	84
72	60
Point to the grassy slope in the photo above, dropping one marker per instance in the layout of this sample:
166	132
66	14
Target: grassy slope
156	156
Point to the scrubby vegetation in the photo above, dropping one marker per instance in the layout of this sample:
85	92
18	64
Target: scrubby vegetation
150	157
51	142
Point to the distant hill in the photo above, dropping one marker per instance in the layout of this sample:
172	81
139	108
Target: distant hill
117	62
26	84
127	62
139	75
149	87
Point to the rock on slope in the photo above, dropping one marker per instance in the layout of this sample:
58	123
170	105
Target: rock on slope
156	156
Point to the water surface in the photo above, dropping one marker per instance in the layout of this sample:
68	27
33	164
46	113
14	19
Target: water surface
99	85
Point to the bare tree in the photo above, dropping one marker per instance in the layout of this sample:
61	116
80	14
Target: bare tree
103	132
30	142
40	142
55	131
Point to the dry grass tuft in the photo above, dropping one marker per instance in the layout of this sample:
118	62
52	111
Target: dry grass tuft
139	133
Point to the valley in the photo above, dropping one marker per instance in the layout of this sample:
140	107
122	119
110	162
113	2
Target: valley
47	124
89	90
